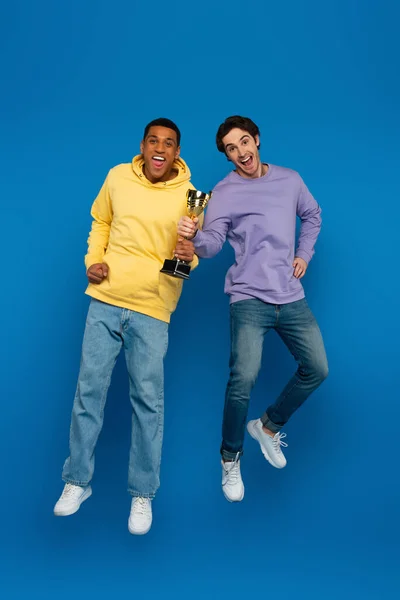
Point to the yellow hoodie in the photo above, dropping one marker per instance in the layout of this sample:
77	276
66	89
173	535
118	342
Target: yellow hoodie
134	231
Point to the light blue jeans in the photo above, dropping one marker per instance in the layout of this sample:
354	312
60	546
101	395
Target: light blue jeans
145	341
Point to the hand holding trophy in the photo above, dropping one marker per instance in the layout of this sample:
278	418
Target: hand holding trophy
196	203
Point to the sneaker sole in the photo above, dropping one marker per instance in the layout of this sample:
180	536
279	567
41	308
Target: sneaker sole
133	532
233	501
265	453
72	511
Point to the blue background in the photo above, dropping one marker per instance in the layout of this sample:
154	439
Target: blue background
79	82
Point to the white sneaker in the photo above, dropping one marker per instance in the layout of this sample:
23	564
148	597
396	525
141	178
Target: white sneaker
141	516
71	499
232	484
270	446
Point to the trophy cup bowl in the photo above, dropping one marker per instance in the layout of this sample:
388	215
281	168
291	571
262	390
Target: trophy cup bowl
196	201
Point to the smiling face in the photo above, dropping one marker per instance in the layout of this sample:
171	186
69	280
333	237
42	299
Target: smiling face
159	149
242	149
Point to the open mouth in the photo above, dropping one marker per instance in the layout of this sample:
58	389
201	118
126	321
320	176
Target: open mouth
247	162
158	161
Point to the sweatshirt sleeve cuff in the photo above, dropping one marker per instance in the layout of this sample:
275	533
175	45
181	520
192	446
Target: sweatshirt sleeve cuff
304	255
197	240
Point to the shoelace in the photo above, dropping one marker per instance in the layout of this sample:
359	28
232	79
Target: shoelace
141	506
233	471
70	490
277	441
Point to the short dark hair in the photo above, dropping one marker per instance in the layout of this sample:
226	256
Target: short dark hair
235	122
161	122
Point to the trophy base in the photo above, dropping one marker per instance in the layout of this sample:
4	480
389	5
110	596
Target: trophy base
176	268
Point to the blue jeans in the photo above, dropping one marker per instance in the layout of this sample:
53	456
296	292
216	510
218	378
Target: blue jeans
250	321
145	341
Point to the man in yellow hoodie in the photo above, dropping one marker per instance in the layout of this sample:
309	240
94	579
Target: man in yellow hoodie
135	218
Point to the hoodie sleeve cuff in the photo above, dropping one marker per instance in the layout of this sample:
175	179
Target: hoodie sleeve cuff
91	259
195	262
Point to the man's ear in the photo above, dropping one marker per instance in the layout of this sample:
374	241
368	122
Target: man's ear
141	146
177	153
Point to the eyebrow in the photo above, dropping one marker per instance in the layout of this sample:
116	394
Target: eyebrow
242	138
156	137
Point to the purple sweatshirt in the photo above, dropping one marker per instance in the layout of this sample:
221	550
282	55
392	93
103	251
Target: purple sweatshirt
258	216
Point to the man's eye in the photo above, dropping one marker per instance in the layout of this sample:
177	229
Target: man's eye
245	142
169	144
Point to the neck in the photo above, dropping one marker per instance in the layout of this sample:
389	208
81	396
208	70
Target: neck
260	171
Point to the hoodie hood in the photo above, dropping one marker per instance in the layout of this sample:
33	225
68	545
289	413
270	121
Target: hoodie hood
179	165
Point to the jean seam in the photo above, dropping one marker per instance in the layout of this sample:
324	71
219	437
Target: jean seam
105	390
161	403
160	429
230	367
277	313
80	367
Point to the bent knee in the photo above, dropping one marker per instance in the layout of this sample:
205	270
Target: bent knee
321	371
317	371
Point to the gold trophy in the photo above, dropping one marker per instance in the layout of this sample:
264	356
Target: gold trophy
196	203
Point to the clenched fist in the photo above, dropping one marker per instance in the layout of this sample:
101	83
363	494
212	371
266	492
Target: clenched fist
187	228
97	272
184	250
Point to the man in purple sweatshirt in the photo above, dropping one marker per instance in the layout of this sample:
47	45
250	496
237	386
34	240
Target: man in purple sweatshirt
255	208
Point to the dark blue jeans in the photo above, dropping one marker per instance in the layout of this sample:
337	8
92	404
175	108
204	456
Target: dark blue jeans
250	321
